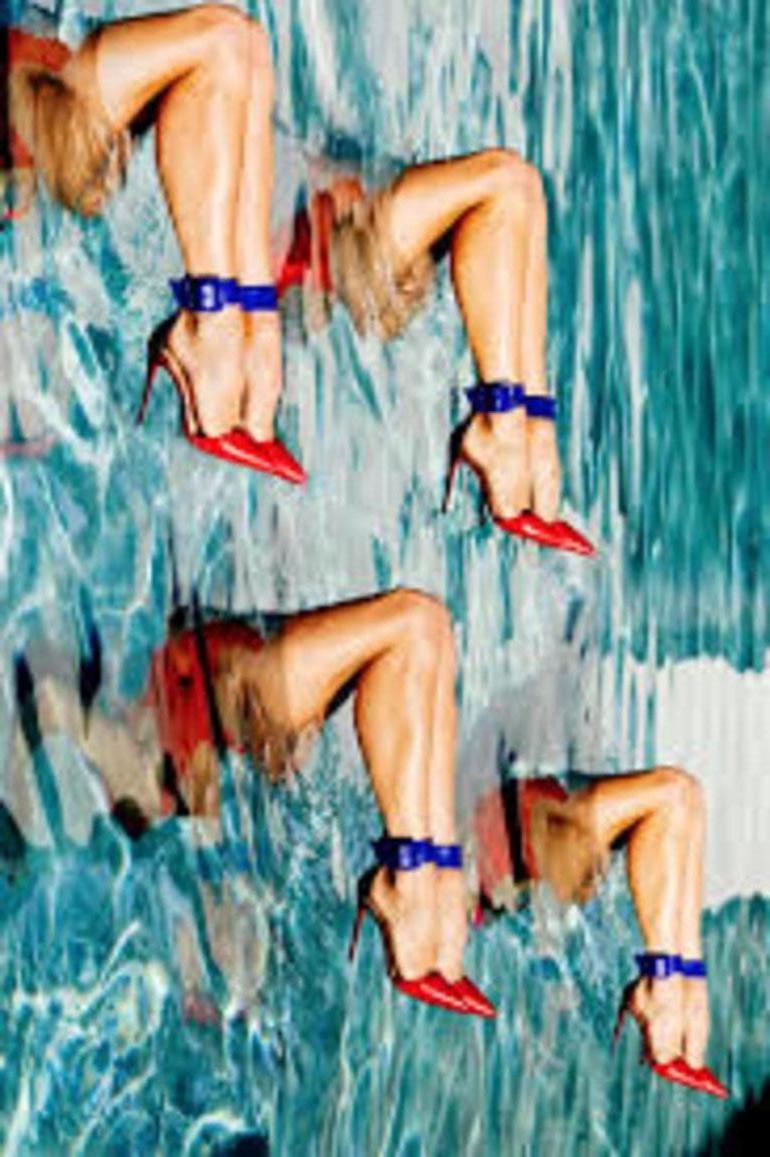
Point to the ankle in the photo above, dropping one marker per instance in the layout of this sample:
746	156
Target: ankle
662	994
695	989
498	427
505	427
414	885
262	325
224	324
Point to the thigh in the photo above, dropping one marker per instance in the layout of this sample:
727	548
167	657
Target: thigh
573	838
133	61
613	805
428	200
298	674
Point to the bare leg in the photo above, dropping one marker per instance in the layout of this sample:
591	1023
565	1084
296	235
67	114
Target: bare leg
197	65
543	448
696	1004
662	813
494	206
396	646
263	367
451	889
397	743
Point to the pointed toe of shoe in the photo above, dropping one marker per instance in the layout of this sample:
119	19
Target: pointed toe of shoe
572	540
286	465
474	999
707	1082
556	535
710	1083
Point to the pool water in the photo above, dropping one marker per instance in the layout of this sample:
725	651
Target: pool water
173	997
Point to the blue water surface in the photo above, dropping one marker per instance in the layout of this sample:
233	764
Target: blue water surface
646	122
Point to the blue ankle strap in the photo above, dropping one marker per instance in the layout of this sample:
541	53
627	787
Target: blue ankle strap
258	298
448	855
495	397
541	406
692	968
401	854
657	965
204	294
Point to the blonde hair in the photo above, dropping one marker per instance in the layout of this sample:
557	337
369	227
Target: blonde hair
277	750
78	153
381	293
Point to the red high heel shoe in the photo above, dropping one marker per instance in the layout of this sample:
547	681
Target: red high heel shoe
210	294
497	398
406	855
678	1071
450	856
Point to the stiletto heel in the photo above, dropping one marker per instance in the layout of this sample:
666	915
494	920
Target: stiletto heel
623	1012
149	379
660	966
156	360
362	892
353	946
498	398
402	855
210	295
455	458
450	856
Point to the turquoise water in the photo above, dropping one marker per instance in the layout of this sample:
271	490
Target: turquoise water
647	122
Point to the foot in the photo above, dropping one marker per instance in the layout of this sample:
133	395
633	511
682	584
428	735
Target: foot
209	347
497	449
545	468
696	1021
451	923
656	1005
404	903
264	374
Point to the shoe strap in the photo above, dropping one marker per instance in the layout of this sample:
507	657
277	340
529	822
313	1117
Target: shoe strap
401	854
692	968
541	406
495	397
448	855
258	298
204	294
657	965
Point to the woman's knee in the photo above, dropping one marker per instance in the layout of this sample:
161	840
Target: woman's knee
424	625
234	44
683	795
516	181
